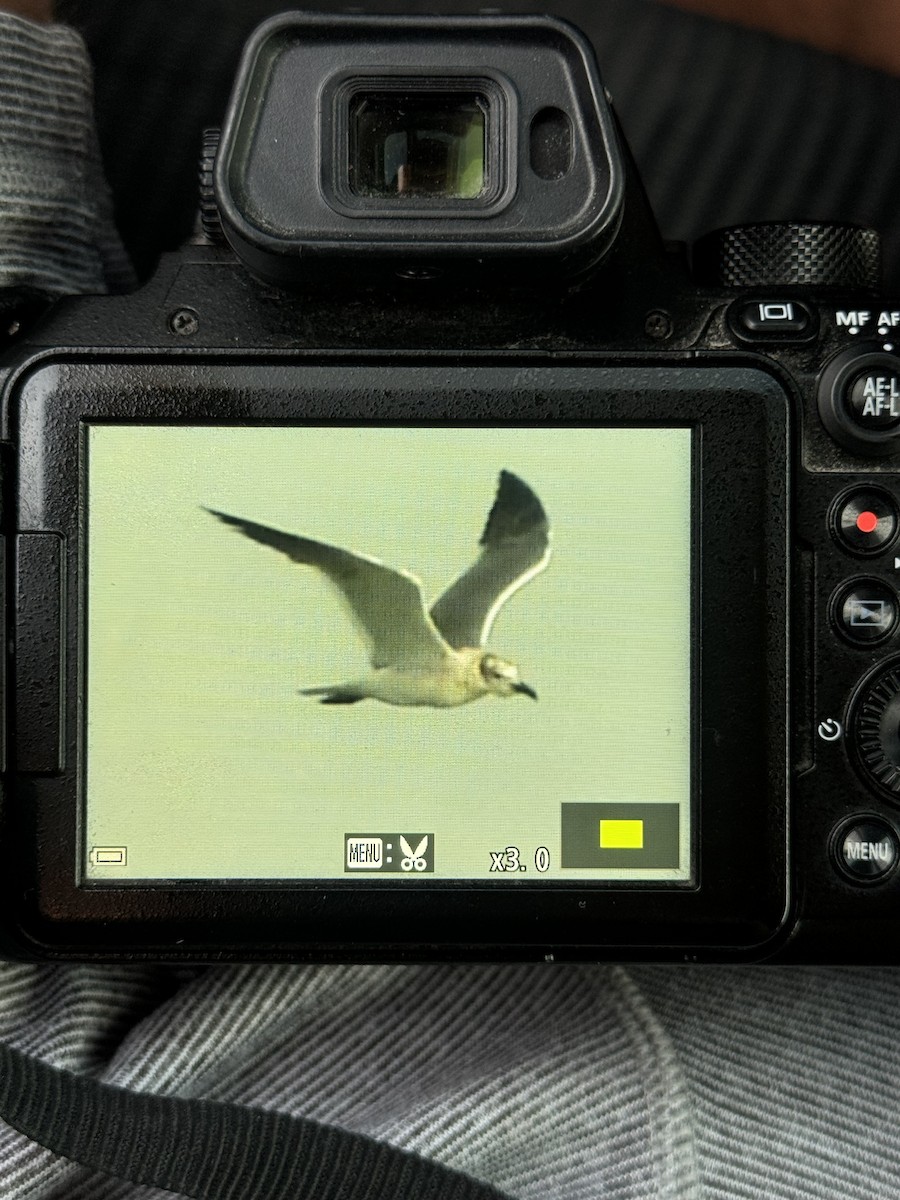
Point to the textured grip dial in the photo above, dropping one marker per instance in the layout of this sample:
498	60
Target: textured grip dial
779	254
876	729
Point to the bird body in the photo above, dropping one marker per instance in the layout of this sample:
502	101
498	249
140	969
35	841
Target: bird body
459	679
430	658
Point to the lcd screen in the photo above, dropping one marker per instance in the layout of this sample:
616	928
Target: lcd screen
384	654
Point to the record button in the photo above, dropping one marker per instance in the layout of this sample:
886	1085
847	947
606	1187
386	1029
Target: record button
866	521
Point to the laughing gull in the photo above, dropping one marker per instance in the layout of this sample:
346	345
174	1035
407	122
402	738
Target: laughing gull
418	657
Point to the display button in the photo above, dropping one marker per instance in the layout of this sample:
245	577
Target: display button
866	849
865	521
774	317
872	398
865	611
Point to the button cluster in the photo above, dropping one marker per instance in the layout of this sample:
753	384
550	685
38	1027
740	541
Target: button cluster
865	611
859	404
865	522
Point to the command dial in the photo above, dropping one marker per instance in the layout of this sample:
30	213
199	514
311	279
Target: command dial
787	253
876	728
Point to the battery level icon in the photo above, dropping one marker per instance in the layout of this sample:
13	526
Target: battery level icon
108	856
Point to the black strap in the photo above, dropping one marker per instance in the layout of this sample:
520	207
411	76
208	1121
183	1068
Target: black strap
212	1151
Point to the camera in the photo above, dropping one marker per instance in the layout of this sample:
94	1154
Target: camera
430	562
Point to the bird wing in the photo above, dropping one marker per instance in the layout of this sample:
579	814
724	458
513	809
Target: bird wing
386	604
516	547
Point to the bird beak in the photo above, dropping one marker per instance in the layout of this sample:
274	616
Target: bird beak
525	690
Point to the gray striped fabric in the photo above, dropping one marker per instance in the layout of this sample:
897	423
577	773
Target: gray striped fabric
56	232
791	1076
551	1083
568	1083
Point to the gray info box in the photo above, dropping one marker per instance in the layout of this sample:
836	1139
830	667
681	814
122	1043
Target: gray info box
620	835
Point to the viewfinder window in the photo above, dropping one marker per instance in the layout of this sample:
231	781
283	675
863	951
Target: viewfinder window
425	144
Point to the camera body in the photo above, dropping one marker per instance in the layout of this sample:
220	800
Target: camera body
423	273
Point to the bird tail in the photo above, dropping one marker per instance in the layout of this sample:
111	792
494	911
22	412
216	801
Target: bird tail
333	694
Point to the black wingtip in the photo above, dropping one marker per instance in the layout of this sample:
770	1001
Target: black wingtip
226	518
516	511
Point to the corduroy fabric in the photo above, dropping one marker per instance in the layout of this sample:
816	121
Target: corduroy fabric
213	1151
552	1082
56	232
540	1081
791	1074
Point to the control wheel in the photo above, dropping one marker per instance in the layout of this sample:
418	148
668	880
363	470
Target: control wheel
788	254
875	728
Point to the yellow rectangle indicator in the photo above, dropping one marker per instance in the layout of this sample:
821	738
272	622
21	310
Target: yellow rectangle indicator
621	835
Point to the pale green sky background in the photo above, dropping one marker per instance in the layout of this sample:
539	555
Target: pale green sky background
205	762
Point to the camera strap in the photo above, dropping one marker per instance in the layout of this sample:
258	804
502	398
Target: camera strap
209	1150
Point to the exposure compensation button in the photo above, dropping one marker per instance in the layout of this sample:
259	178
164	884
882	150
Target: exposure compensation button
866	849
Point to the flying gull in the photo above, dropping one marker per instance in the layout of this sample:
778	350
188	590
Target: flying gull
421	657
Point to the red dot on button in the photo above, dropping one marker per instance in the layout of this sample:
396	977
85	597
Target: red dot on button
866	522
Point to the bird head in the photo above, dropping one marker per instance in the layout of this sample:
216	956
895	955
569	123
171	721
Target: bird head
502	677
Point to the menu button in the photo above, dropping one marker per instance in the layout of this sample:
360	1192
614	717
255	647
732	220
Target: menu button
866	849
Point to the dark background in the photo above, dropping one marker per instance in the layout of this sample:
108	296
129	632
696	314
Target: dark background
728	125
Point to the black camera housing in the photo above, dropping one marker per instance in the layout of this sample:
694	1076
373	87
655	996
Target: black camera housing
773	345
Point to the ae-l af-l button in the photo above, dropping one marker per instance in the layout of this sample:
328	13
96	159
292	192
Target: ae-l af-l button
859	401
873	398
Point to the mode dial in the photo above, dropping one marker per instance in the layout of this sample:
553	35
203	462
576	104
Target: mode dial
790	253
875	728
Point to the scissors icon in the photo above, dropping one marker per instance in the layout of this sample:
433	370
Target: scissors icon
414	860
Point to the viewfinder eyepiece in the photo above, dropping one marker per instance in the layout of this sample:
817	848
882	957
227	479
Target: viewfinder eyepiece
423	144
466	149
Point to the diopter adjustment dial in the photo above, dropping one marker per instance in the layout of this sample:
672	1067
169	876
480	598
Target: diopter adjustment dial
210	221
790	254
875	728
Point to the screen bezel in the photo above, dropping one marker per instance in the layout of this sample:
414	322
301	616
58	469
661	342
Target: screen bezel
739	896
